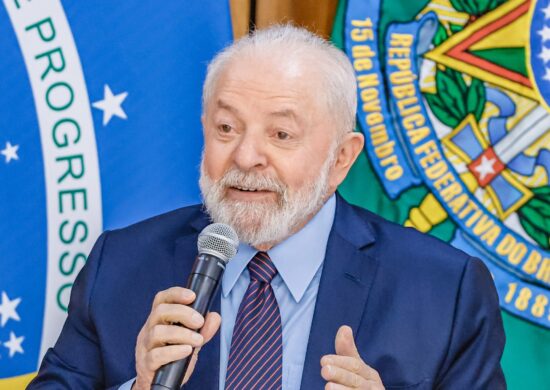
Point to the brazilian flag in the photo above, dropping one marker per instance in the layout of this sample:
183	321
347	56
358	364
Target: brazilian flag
472	80
99	128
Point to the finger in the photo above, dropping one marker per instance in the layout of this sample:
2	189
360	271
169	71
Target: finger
354	365
161	335
369	385
344	343
179	295
335	386
160	356
344	377
212	323
169	313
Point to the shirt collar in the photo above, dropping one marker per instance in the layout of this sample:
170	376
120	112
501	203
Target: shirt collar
297	258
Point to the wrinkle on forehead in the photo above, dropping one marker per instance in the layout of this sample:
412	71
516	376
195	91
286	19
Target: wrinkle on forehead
286	68
269	78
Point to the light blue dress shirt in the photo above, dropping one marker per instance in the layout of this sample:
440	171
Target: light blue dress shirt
299	261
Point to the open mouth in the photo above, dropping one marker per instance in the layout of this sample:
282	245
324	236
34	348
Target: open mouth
249	189
246	189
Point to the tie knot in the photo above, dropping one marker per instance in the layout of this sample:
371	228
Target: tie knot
261	268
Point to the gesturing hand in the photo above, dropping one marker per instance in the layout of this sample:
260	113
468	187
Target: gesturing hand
160	341
346	369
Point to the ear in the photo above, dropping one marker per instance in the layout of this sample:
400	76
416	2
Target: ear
348	150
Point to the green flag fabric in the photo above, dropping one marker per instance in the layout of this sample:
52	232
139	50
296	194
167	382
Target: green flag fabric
454	103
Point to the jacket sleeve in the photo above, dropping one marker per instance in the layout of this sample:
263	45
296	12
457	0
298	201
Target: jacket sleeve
75	360
477	339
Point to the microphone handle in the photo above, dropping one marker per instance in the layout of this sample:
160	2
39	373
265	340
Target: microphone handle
204	281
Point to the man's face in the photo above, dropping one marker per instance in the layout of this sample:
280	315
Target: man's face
268	140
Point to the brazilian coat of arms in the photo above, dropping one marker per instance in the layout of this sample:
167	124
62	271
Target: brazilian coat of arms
454	102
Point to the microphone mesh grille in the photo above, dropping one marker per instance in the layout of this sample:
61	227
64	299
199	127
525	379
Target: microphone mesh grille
219	240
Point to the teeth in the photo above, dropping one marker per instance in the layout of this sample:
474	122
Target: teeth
246	189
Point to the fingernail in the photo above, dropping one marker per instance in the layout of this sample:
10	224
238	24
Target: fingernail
197	338
187	349
196	318
329	369
188	294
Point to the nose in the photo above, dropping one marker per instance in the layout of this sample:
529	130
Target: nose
250	153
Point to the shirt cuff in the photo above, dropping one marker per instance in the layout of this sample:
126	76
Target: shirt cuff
127	385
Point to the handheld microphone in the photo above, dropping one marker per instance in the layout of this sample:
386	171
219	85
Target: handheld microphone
217	244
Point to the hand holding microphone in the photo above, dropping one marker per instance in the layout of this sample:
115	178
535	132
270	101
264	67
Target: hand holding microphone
160	341
171	332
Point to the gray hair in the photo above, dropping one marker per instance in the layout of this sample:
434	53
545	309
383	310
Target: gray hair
338	77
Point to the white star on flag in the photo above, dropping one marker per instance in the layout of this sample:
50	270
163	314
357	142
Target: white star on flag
544	33
485	167
547	75
14	344
10	152
111	105
545	54
7	309
546	12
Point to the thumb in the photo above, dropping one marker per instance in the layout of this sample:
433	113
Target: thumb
211	325
344	343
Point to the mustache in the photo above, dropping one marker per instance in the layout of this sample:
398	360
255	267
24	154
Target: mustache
252	181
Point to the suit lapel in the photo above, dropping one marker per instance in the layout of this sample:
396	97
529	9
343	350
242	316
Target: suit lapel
206	374
348	274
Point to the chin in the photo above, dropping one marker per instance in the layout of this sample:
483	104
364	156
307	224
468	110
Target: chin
256	223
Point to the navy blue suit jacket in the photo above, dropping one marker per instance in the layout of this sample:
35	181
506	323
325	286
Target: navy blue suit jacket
425	315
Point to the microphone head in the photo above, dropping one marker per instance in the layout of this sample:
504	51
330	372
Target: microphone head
220	240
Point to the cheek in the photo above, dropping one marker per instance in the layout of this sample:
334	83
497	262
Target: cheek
216	160
297	171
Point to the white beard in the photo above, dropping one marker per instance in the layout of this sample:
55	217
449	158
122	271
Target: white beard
264	222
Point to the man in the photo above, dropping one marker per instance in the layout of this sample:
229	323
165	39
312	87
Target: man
321	293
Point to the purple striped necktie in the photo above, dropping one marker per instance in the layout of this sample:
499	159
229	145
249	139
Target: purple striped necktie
256	356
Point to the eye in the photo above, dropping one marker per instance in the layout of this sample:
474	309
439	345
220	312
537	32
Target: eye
225	128
282	135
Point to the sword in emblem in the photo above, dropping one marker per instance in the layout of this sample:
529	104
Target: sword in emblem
485	167
493	160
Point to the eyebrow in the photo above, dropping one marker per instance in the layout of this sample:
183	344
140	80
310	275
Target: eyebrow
284	113
225	106
287	113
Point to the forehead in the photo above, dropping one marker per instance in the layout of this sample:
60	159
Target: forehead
269	79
